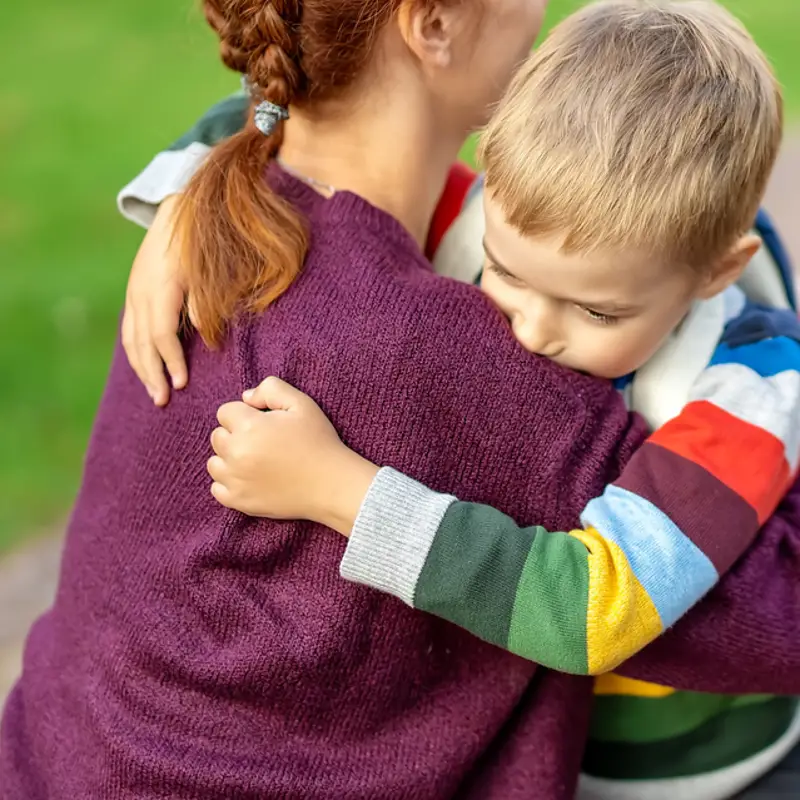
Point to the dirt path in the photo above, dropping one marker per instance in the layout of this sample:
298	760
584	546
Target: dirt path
27	582
783	198
28	578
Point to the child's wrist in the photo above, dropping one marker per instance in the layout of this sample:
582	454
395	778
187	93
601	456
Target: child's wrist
348	483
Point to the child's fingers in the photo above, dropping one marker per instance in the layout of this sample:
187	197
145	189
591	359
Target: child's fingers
220	442
275	395
164	319
129	343
170	350
217	469
153	369
222	495
237	416
142	356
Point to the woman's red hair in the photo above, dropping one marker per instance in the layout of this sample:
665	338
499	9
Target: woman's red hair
241	244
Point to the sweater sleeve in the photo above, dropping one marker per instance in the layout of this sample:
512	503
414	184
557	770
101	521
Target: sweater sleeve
170	170
685	508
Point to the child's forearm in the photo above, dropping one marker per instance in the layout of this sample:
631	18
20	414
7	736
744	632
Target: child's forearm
686	507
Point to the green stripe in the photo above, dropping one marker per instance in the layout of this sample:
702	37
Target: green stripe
639	720
726	739
219	122
549	618
470	576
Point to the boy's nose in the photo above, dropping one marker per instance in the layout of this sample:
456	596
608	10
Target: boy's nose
538	334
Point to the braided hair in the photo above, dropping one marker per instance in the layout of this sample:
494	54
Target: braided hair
241	244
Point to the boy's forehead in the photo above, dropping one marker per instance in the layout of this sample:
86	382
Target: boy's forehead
626	276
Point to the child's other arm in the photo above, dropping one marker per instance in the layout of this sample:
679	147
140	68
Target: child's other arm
155	297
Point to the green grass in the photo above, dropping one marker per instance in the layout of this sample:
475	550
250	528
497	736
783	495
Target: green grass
90	90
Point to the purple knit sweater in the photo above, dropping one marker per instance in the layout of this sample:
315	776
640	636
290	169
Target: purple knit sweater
193	652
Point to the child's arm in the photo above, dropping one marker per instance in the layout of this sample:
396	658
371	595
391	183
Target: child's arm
687	505
155	296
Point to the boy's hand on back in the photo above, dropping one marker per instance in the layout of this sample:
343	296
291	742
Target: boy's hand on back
153	305
288	463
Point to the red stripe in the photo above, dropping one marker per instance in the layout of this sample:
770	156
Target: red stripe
746	458
451	202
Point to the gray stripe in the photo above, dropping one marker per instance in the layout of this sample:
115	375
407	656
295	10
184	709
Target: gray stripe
393	534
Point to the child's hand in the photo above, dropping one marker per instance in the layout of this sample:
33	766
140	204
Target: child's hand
287	463
153	305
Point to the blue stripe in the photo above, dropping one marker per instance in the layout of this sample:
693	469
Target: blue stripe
624	381
766	358
673	571
775	247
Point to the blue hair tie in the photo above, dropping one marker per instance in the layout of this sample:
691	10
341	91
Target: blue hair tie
268	115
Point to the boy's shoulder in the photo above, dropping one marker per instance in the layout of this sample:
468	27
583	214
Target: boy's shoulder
221	121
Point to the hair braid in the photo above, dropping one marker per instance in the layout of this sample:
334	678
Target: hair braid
242	245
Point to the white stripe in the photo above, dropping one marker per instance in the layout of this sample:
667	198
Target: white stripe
735	300
762	281
393	534
167	174
460	253
772	404
661	386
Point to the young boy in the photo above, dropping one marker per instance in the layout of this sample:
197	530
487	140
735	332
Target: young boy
612	249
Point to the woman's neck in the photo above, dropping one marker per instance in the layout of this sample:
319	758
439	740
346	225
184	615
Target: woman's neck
396	161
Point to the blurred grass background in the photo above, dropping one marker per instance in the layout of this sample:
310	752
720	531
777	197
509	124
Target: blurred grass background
90	89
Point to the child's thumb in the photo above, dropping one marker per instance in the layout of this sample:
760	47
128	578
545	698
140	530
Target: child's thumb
273	394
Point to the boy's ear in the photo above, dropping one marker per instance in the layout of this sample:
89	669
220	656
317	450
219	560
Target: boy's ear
729	268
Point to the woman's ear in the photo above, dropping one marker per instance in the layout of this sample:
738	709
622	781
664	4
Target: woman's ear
729	268
430	30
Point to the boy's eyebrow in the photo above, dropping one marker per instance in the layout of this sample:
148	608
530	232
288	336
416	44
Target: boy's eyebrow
603	308
607	308
493	258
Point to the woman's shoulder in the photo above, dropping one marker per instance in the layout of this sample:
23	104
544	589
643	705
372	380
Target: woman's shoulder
374	268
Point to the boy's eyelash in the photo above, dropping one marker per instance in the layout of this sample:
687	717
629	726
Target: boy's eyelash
500	272
596	316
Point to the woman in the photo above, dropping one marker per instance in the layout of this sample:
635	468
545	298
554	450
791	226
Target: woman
192	652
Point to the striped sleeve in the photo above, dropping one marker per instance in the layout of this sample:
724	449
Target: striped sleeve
687	505
171	170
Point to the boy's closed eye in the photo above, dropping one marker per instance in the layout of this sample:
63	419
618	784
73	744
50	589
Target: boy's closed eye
503	273
598	316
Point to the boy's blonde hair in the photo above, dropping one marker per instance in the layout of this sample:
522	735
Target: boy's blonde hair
651	124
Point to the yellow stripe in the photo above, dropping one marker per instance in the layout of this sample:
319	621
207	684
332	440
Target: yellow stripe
616	684
620	618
